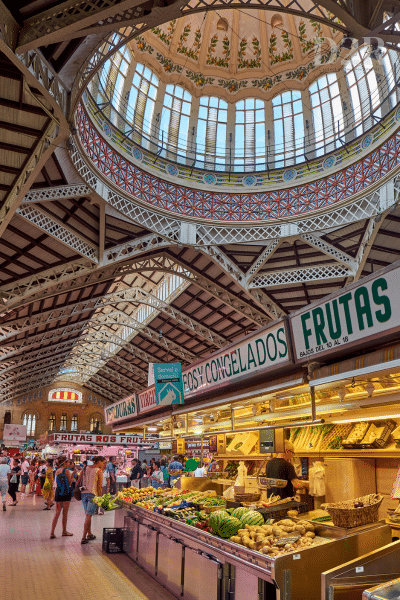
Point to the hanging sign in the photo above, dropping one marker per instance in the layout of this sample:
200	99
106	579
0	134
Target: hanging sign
93	438
168	383
366	309
147	400
265	349
14	433
121	410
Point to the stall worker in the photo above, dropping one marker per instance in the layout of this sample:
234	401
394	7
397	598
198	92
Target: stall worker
280	467
174	466
136	473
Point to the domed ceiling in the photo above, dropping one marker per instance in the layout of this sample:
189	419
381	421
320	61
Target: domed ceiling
236	49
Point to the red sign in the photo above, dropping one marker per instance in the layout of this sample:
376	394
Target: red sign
147	400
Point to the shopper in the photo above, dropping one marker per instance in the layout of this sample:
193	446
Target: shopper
164	470
112	471
136	473
48	489
280	468
13	480
91	486
63	476
42	474
25	476
32	476
157	479
4	471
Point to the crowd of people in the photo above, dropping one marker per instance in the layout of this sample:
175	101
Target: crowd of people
59	480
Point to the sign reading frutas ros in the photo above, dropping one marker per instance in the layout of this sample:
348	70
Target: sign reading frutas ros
359	312
121	410
264	350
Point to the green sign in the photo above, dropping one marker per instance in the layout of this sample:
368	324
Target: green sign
168	383
266	349
368	308
121	410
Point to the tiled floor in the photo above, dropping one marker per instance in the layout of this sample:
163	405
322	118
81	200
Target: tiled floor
33	567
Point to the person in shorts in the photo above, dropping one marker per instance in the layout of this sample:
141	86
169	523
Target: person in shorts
25	476
91	485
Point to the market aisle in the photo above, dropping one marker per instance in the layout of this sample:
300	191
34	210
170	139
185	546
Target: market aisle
33	567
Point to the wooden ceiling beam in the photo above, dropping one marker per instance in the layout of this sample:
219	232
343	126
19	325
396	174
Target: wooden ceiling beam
22	106
36	133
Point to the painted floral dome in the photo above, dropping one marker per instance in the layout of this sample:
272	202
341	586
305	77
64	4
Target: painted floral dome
229	51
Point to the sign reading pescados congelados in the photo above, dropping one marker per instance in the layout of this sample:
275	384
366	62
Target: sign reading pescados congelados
265	349
362	310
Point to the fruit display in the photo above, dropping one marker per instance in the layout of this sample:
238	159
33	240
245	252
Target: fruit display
372	434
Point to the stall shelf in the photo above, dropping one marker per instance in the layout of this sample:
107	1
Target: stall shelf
195	565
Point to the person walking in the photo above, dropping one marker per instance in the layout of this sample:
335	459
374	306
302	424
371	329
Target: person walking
63	475
91	484
48	489
4	471
113	480
25	476
32	476
13	480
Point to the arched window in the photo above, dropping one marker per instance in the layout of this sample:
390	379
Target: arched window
141	100
327	113
288	128
174	122
211	131
363	88
63	422
52	422
96	422
29	420
250	135
7	418
74	422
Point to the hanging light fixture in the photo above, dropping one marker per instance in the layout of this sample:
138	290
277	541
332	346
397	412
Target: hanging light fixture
277	20
222	24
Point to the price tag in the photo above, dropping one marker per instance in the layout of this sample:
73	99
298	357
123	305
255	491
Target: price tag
296	556
359	569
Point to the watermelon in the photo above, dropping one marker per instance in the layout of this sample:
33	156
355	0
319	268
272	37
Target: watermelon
216	519
229	527
239	512
253	517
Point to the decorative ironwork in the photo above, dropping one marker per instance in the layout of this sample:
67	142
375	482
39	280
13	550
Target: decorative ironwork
300	275
61	192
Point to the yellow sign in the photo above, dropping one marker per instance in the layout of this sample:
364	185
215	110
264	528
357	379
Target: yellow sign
180	446
221	445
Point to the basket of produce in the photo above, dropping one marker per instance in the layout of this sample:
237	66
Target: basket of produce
354	513
249	497
378	434
356	435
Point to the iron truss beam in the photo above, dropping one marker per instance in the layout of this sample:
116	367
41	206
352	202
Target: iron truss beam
268	251
61	192
329	250
72	20
129	296
51	283
116	318
301	275
59	231
32	166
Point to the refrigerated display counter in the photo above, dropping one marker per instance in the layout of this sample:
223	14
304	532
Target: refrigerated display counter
196	565
388	591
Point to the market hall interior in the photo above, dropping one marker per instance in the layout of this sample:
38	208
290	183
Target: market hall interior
199	246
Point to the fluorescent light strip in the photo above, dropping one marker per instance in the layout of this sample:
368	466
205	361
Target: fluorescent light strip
381	418
388	366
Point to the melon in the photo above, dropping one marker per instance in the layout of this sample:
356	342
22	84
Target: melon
253	517
229	527
240	511
216	519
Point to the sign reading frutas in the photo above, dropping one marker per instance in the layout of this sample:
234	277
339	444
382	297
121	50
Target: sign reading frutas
168	383
121	410
93	438
362	311
264	350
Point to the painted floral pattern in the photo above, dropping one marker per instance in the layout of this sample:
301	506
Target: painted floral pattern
218	61
142	45
165	36
199	79
249	63
168	65
308	44
192	52
287	53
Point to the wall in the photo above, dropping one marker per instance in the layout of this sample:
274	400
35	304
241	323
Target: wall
37	402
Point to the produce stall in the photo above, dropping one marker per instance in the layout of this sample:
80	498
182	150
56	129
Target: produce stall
212	554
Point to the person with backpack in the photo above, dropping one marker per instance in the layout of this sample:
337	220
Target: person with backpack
63	476
165	473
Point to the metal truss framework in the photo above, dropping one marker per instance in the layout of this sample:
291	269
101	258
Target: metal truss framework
61	192
300	275
131	295
59	231
85	18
